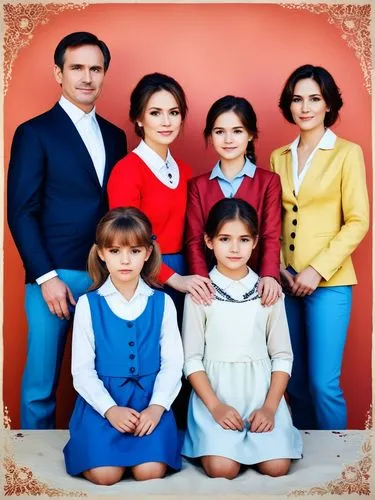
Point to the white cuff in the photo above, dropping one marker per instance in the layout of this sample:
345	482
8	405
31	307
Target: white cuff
105	405
161	400
45	277
281	365
192	366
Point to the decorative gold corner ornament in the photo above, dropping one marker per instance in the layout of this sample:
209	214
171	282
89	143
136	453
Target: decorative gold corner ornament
20	21
353	479
21	480
354	23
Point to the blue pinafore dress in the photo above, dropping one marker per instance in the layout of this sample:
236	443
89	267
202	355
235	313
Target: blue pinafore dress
127	361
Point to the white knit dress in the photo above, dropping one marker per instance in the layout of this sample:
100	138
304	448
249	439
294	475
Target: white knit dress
238	345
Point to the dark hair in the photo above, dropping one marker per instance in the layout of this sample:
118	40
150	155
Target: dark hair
328	88
126	226
228	209
245	113
145	88
76	40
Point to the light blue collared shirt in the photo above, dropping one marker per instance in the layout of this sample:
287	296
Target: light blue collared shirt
230	187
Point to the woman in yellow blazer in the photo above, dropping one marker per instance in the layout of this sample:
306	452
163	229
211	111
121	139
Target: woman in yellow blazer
325	216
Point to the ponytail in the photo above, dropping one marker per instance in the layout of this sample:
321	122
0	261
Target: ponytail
250	151
152	266
97	269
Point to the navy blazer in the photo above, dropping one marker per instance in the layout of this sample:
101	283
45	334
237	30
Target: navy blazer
55	199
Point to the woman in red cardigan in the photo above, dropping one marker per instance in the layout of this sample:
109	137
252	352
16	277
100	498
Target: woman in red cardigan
150	179
231	127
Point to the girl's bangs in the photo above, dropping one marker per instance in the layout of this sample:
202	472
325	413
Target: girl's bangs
124	232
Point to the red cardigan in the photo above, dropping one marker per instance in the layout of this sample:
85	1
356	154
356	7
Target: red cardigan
263	192
132	183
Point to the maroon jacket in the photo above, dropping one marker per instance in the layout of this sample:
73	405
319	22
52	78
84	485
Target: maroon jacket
263	192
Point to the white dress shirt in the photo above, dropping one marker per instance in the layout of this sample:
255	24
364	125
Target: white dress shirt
89	130
165	170
326	142
85	378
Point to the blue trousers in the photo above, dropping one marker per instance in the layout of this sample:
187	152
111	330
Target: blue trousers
318	325
46	342
180	405
178	263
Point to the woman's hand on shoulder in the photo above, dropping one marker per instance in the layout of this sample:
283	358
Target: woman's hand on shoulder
262	420
227	416
122	418
148	420
306	282
199	287
269	290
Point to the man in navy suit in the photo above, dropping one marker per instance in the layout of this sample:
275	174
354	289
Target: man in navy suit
58	172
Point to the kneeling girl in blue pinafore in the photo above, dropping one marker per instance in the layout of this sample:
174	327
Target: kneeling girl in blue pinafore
126	359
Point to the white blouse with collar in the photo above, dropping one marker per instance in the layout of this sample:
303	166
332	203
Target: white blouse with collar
165	170
326	142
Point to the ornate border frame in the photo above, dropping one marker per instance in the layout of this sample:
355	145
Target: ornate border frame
354	22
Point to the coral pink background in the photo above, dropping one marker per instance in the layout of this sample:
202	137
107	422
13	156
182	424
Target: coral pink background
212	50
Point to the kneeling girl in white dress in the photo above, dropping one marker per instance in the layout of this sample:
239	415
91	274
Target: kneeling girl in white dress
126	359
238	359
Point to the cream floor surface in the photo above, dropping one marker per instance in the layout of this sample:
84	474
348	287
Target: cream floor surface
326	455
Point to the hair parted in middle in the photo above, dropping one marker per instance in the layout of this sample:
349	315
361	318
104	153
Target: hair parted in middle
229	209
226	210
145	88
245	112
124	226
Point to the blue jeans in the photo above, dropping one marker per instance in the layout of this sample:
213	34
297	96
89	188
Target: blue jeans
318	325
46	342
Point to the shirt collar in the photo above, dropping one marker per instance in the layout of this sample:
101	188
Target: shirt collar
248	169
108	288
224	282
152	159
74	112
326	142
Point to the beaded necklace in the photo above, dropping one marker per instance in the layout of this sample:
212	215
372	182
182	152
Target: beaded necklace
252	294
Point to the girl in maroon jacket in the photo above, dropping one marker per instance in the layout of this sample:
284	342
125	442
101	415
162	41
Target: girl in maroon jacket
231	128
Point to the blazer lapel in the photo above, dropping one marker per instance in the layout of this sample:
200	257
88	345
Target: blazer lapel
289	170
68	129
108	146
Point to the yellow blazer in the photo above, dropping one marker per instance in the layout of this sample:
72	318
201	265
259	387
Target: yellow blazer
324	224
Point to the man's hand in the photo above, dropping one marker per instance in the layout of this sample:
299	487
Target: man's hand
56	295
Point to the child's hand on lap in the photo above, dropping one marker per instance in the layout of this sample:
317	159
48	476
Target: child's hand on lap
148	420
228	417
122	418
262	420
